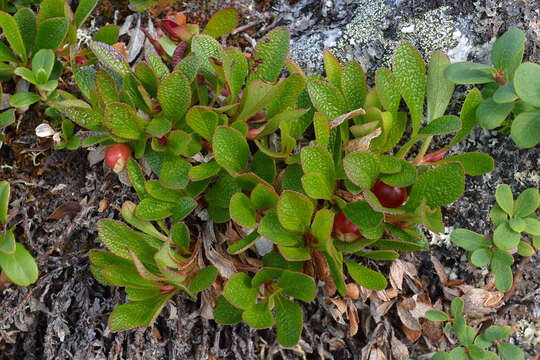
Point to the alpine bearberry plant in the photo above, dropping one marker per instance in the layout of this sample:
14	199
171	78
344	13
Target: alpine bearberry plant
511	96
510	219
35	42
474	346
225	132
16	263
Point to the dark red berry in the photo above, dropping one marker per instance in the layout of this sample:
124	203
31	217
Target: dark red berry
389	196
116	156
345	229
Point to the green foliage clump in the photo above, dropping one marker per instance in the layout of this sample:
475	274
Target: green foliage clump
474	346
511	96
510	218
16	263
227	133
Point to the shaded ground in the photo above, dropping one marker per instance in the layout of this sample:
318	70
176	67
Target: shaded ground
64	315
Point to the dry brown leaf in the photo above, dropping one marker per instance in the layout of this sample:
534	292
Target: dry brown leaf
103	204
381	294
362	143
392	293
439	269
365	293
407	319
353	318
399	349
479	302
397	271
340	304
433	330
70	208
383	308
412	335
353	291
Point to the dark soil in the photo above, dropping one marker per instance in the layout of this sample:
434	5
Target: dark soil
57	199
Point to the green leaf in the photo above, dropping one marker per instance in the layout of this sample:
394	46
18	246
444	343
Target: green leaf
294	86
321	228
110	57
525	129
320	178
291	253
174	172
505	238
469	73
51	33
517	224
108	34
526	83
20	267
507	52
231	149
242	211
259	316
121	276
365	277
264	166
441	355
481	257
204	171
271	228
440	186
474	163
136	178
238	291
410	74
387	90
456	306
133	314
183	208
404	178
332	68
203	279
106	87
439	90
353	84
525	249
526	203
270	53
500	265
263	197
153	209
322	129
83	11
505	94
297	285
458	353
225	313
362	168
258	95
468	115
158	127
327	99
469	240
159	192
436	315
6	55
510	351
222	191
13	35
203	121
174	96
288	321
4	201
244	244
362	215
532	226
26	22
50	9
505	199
206	47
7	118
118	238
294	211
222	22
444	125
390	164
23	99
491	115
122	121
157	65
235	69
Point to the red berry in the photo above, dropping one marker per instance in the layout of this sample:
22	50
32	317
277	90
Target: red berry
116	156
389	196
345	229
